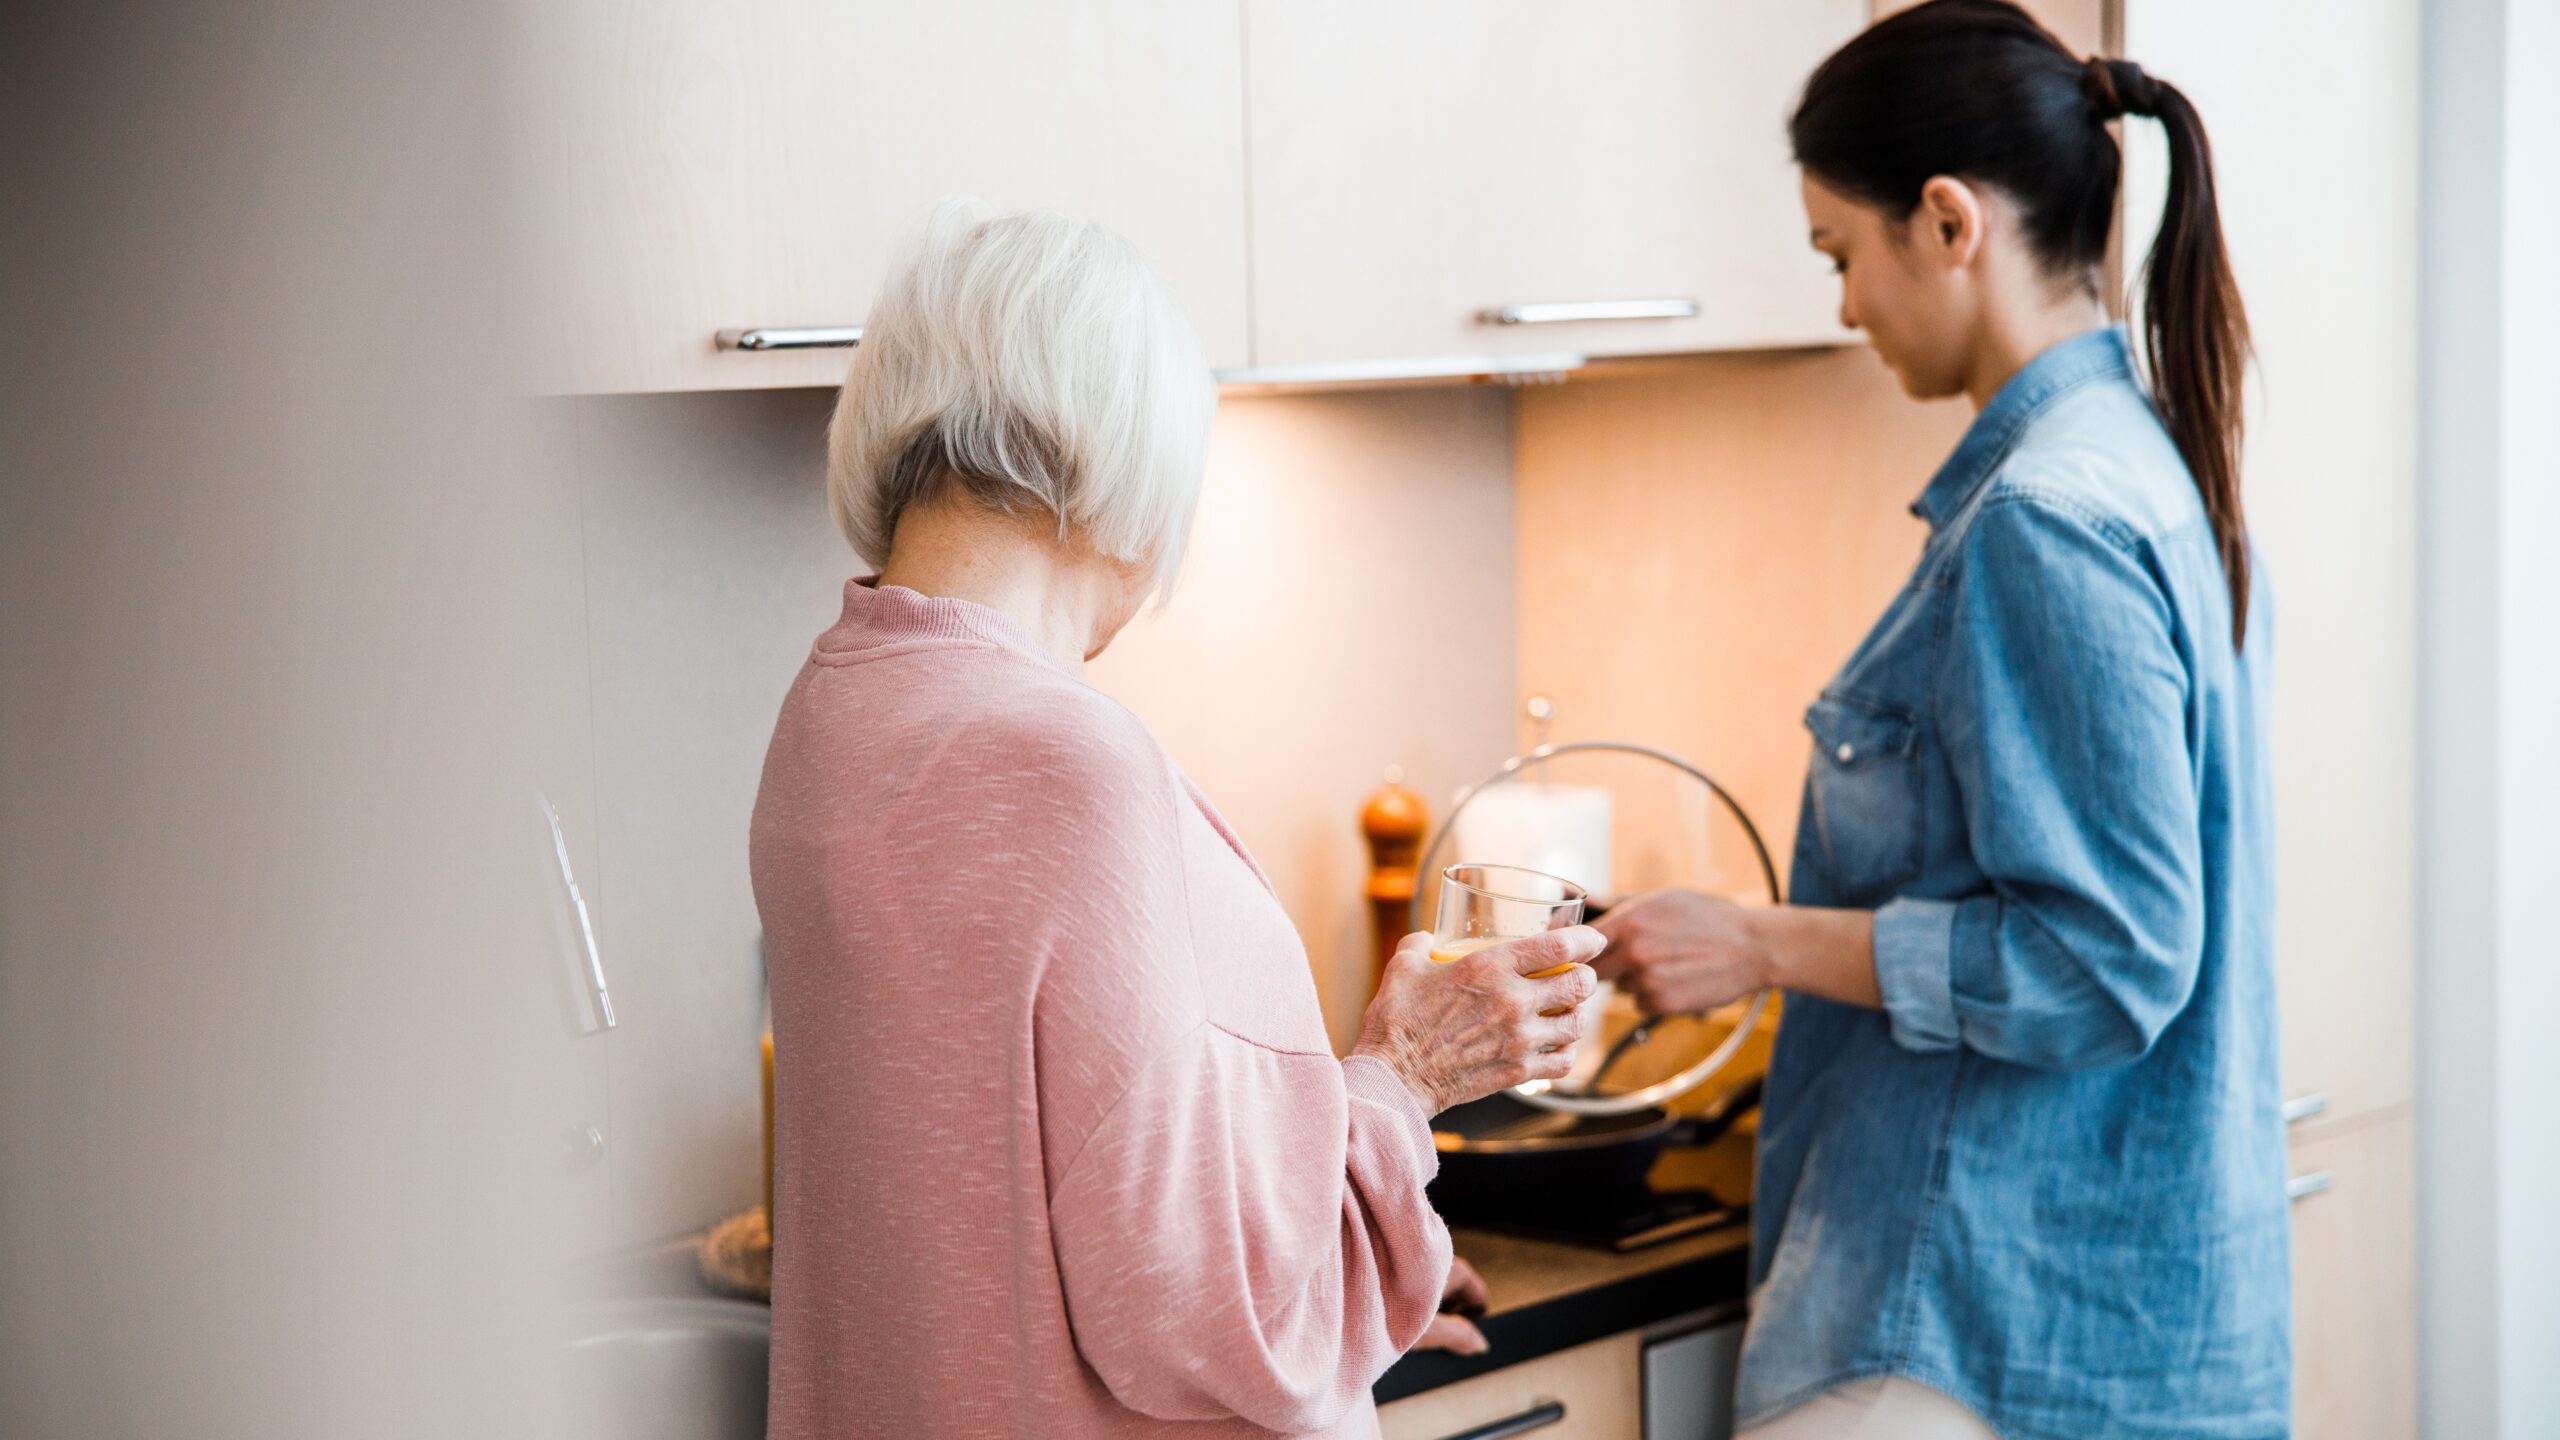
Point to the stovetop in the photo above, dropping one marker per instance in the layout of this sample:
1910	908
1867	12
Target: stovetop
1619	1221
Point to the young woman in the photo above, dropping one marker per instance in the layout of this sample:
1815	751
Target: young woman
2022	1169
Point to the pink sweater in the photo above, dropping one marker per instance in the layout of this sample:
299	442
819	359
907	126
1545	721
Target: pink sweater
1062	1149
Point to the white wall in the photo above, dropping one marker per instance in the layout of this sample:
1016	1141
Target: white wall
2489	1148
1348	606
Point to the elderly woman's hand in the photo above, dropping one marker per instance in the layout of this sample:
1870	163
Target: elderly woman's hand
1454	1032
1465	1295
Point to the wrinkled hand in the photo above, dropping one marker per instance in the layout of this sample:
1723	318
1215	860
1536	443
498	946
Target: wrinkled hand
1682	952
1463	1030
1451	1330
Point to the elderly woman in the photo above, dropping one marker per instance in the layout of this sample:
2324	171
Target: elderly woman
1062	1147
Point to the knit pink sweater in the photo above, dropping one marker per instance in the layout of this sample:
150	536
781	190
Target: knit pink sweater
1062	1149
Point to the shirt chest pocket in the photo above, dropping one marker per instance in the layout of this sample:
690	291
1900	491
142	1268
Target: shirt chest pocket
1866	797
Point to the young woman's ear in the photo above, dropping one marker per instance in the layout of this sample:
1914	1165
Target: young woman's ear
1949	220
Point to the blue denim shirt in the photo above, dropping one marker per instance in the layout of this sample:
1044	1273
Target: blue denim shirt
2047	1178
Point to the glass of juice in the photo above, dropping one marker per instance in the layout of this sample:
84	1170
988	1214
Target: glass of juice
1484	905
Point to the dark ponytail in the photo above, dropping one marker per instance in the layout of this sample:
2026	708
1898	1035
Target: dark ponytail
1977	90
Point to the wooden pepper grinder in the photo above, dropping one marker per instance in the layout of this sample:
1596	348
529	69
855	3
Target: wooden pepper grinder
1395	822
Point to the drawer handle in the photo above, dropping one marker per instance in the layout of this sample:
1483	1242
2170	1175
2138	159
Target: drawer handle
1536	1417
786	337
2304	1107
2303	1187
1561	312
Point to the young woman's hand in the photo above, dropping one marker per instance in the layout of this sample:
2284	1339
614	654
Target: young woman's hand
1458	1031
1682	952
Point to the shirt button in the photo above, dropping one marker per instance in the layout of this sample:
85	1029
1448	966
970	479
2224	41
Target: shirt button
1846	753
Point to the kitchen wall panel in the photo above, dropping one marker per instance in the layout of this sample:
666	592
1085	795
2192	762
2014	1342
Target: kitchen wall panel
710	565
1702	542
1348	606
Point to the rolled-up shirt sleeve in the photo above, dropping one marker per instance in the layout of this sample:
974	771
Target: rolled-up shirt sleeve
1914	941
2064	705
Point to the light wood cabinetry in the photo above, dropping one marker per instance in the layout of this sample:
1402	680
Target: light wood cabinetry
2084	25
2332	490
2333	508
2355	1282
1599	1386
1317	180
689	167
2332	493
1417	164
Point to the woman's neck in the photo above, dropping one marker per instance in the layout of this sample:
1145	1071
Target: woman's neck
2012	335
1061	594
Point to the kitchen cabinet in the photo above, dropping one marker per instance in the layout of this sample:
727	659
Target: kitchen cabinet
1645	1339
684	168
2332	483
1590	1392
1688	1383
1415	166
2355	1291
2083	25
2332	491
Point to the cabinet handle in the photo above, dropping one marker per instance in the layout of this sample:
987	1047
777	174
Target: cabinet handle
1560	312
586	924
2303	1107
1509	369
787	337
2303	1187
1536	1417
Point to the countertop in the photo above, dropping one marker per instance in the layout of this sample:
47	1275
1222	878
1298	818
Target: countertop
1548	1296
1545	1295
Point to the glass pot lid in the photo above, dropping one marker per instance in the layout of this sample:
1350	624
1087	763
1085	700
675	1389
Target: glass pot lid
1616	818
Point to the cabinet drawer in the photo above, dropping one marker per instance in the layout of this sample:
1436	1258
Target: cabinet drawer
1596	1385
2355	1284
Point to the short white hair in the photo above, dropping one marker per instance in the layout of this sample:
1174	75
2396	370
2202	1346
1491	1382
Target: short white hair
1033	364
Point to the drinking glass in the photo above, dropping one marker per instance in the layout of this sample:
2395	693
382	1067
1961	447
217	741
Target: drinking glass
1484	905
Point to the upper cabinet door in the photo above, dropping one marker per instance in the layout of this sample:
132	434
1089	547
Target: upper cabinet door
1418	164
691	166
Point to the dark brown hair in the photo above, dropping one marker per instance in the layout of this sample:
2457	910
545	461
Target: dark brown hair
1977	90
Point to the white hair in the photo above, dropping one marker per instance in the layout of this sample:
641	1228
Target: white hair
1033	364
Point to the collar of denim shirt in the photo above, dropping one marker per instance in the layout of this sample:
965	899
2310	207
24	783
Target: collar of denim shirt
2100	354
